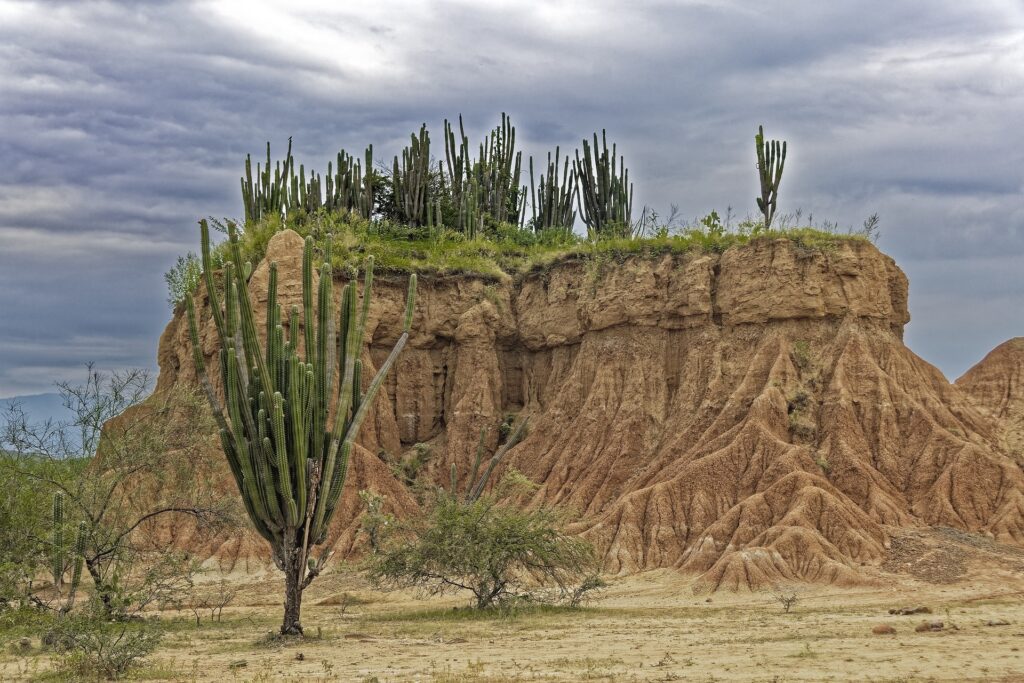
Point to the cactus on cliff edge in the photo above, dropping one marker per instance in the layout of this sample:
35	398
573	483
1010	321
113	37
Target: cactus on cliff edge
553	207
605	194
288	453
411	179
771	158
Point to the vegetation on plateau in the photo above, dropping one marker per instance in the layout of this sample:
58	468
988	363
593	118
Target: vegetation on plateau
473	214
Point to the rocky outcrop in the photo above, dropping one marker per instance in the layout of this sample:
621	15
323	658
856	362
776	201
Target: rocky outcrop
747	417
996	386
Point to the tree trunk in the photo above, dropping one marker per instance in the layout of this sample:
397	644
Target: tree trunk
293	571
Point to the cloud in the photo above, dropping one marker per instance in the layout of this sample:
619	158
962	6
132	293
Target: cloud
122	123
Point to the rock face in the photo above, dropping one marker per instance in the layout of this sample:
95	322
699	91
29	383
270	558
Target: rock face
747	417
996	386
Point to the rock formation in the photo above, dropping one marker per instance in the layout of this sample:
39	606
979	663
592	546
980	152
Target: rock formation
996	386
747	417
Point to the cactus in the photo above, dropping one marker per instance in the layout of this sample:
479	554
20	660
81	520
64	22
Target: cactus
605	194
58	553
288	454
59	559
475	484
411	179
554	207
496	174
350	189
771	158
267	194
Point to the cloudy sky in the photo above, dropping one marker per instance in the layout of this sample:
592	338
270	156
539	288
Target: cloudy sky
122	123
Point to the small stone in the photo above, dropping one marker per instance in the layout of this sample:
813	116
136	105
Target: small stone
926	626
883	630
997	622
299	657
25	643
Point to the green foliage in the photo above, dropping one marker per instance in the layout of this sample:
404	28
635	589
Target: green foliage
605	193
288	454
499	553
91	647
182	279
375	523
771	158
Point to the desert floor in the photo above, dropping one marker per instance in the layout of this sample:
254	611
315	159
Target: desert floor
649	627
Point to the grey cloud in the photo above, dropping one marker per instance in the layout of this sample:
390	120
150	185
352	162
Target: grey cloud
122	123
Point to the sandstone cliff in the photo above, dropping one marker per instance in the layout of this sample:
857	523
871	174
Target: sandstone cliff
996	386
746	417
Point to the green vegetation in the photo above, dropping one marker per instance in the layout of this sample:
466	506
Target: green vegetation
498	552
466	214
289	457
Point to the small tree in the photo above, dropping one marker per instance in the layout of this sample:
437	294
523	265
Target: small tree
118	469
494	550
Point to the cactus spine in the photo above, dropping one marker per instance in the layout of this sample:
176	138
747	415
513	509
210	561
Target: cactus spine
288	453
605	194
553	207
771	158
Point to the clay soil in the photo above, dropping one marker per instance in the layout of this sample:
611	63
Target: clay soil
646	627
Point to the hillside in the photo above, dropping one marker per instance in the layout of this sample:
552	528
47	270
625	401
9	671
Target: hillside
745	416
996	386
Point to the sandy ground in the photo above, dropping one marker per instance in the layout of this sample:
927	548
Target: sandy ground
649	627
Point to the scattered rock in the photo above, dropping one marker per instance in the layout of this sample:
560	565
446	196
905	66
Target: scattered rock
300	657
362	637
997	622
904	611
238	664
926	626
883	630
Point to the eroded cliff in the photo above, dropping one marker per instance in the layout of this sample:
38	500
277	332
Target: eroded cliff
747	417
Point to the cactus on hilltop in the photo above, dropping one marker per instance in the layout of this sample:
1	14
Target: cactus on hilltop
554	205
771	158
605	194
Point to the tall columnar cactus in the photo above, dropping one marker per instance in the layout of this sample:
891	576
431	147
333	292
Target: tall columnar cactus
411	179
267	192
605	193
554	207
771	158
497	172
475	484
350	189
60	560
293	405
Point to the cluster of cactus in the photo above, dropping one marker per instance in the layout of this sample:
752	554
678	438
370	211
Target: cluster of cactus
554	207
350	188
487	185
476	482
286	191
411	179
288	454
60	559
605	193
771	158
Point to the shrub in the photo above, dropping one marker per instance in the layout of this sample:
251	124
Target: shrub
497	552
182	279
94	648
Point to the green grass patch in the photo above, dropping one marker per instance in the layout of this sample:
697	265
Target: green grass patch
503	251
